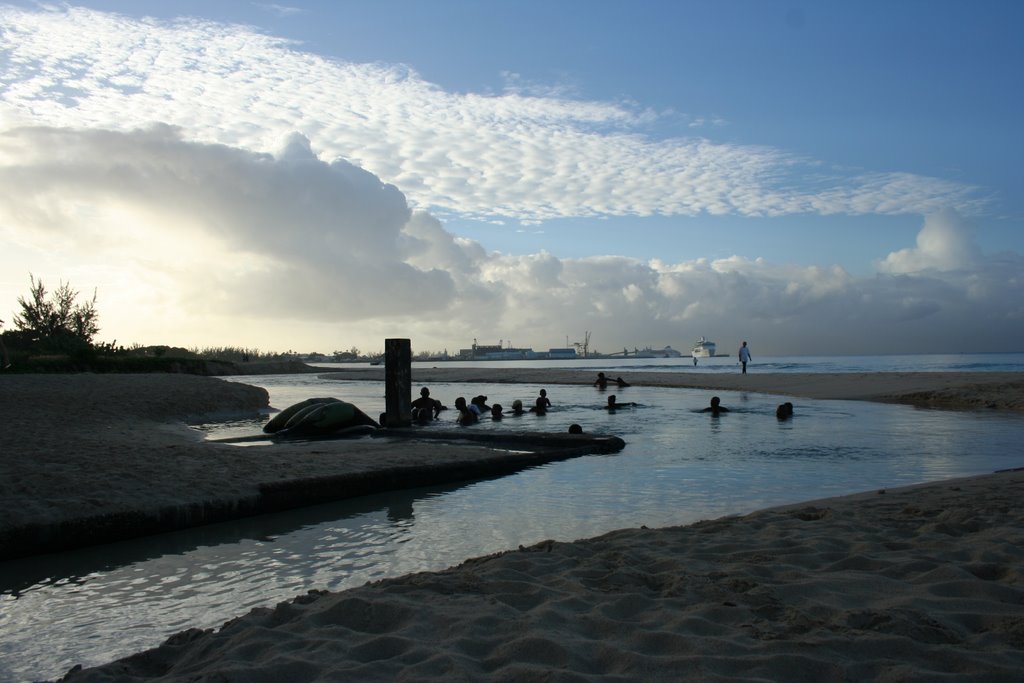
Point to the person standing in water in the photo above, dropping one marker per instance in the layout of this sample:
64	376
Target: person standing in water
543	400
745	357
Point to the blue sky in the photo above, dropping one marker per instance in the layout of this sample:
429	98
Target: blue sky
819	177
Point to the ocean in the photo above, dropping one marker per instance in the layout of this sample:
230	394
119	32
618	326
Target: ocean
679	466
960	362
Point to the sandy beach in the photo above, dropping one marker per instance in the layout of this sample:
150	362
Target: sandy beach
918	584
910	584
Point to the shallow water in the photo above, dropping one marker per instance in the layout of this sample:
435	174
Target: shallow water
679	466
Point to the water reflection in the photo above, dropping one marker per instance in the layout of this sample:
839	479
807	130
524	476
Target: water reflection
95	604
77	566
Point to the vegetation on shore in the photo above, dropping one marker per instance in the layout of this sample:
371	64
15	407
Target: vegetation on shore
54	332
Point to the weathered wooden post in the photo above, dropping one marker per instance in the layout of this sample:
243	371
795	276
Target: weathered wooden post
397	383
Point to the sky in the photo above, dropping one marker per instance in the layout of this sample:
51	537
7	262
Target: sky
813	177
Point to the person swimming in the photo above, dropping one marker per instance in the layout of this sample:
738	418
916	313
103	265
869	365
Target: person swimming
481	404
784	411
517	407
613	404
716	407
466	416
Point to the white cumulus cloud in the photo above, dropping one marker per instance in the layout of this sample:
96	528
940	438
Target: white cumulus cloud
945	243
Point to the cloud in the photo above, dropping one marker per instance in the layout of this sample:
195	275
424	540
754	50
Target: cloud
517	155
237	231
280	10
206	244
945	243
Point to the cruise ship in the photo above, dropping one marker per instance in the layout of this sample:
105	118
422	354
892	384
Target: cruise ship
703	348
648	352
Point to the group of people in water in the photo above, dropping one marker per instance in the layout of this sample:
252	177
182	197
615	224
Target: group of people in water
602	382
426	409
321	416
783	411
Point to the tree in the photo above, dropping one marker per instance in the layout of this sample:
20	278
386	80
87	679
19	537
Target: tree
57	321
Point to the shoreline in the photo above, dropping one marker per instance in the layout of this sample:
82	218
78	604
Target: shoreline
908	584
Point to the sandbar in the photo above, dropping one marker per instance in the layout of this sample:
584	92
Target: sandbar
93	458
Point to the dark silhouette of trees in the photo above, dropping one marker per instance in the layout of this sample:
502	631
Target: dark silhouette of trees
56	322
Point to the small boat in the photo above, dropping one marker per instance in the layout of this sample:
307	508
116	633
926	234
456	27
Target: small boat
703	349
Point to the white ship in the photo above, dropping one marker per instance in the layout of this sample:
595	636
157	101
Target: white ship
703	348
648	352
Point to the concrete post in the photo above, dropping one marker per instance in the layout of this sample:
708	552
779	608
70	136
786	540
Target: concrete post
397	383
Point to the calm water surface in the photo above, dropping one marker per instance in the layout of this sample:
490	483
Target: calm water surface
679	466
